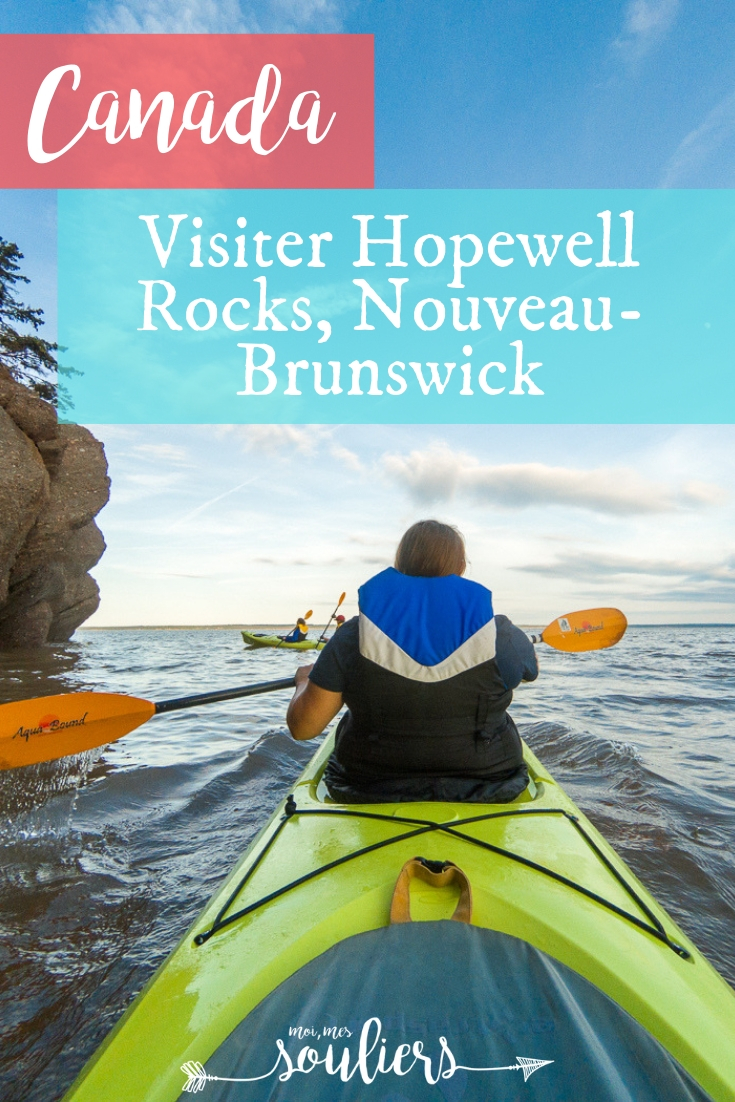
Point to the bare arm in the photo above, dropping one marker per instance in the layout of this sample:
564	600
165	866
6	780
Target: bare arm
311	708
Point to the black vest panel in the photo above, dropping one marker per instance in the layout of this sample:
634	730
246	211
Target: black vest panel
397	727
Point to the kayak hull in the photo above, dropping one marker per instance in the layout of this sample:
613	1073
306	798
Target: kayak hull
258	639
204	991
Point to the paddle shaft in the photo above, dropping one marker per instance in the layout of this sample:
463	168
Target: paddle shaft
52	727
336	608
180	702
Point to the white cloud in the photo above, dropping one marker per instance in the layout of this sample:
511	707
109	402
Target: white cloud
168	17
213	16
323	15
279	440
348	458
113	433
368	540
165	453
646	23
287	441
300	560
129	486
699	144
594	565
660	579
438	474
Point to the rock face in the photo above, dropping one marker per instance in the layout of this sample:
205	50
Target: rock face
53	482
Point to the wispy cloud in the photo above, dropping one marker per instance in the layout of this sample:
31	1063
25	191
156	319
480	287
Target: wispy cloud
270	560
438	474
287	442
279	440
162	453
370	540
592	566
206	504
646	22
134	486
168	17
213	16
669	579
347	458
113	433
699	144
321	15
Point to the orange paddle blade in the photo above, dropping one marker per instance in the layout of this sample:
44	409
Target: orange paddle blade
592	629
54	726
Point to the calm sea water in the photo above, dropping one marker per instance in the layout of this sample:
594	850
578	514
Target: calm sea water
106	859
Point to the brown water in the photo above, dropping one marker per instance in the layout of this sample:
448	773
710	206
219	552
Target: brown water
106	859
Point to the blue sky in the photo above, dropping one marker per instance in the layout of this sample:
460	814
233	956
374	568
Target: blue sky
208	525
586	93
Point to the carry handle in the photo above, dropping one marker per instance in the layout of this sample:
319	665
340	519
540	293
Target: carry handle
437	873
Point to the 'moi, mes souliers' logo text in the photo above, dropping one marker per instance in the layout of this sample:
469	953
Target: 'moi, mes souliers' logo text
371	1060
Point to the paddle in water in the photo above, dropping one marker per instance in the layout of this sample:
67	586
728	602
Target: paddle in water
51	727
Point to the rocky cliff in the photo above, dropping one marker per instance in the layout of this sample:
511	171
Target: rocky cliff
53	482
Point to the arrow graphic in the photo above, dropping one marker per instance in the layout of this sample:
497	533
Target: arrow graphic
529	1066
197	1077
526	1064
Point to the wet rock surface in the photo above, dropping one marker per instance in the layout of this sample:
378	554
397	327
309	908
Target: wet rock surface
53	482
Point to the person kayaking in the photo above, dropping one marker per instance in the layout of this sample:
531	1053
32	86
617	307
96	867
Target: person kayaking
338	622
427	671
298	634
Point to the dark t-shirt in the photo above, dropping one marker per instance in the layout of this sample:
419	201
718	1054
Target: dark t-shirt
336	666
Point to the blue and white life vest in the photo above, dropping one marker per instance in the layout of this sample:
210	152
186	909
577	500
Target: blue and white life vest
425	695
426	629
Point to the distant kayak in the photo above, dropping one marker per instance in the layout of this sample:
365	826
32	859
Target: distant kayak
260	639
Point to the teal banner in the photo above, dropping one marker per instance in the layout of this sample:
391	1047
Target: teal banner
433	307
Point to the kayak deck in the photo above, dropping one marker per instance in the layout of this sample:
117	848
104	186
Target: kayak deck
260	639
253	935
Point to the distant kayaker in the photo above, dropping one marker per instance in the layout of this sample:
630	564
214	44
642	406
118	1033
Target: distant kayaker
338	622
298	634
427	672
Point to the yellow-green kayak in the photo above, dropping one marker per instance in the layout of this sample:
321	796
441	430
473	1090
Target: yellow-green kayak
570	983
260	639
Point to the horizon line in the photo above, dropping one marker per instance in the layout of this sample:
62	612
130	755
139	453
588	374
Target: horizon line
246	627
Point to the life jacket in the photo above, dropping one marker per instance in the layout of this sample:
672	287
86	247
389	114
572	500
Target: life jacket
427	696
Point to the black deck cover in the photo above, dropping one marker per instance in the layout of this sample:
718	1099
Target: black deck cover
516	1024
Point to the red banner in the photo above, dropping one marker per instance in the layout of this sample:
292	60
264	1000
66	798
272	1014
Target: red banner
209	111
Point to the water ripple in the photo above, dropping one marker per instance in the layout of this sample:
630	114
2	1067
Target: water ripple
107	857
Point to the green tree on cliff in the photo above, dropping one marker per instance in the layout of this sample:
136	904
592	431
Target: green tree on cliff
30	359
